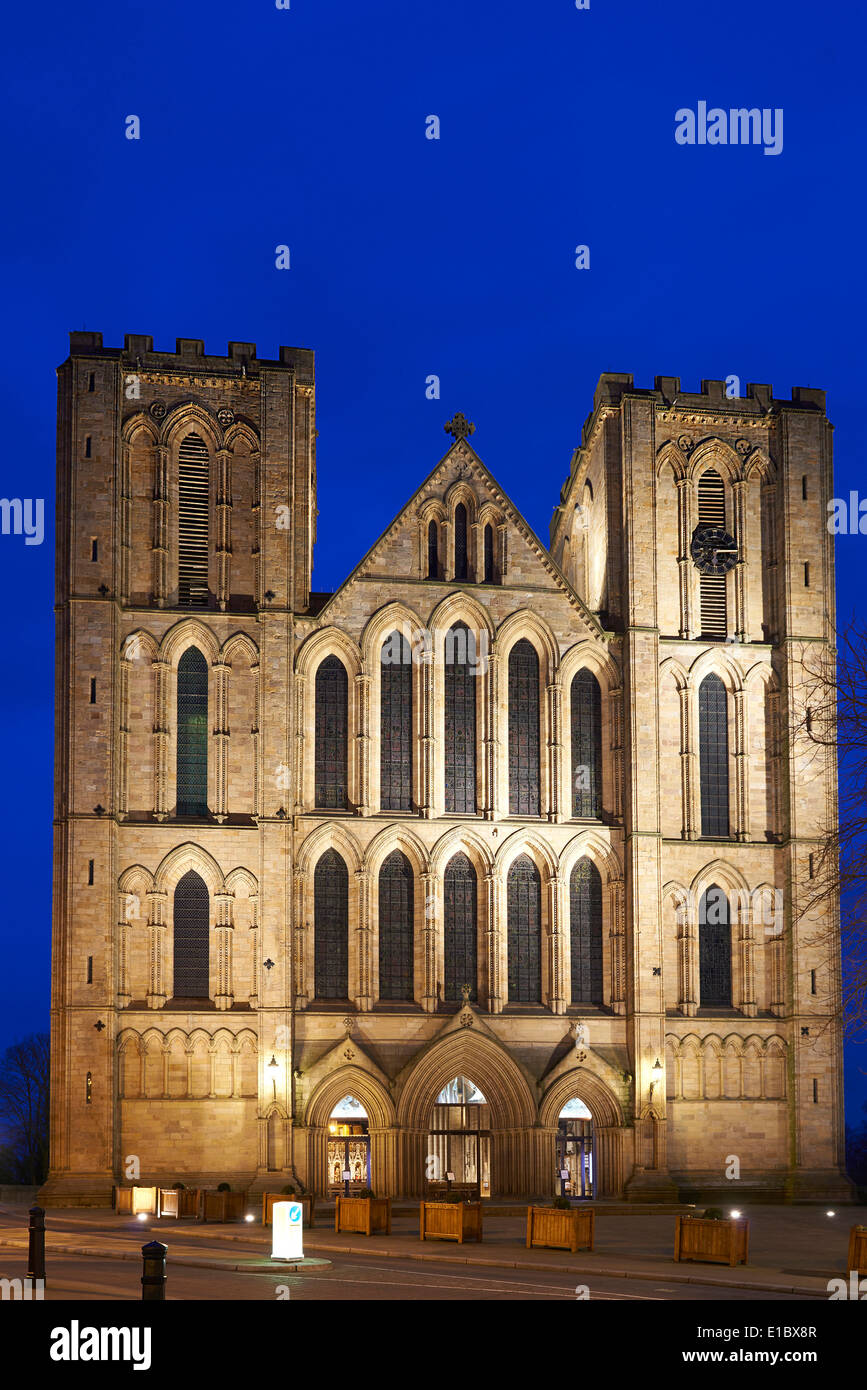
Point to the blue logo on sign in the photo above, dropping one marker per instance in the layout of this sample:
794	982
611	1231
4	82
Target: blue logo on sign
294	1213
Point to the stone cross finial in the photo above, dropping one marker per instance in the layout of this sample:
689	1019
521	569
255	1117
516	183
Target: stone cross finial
459	426
466	991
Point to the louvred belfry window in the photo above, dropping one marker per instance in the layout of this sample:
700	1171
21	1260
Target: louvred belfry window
460	721
331	927
586	745
460	906
713	742
585	922
395	724
191	938
460	541
712	587
524	790
524	907
192	734
396	928
193	494
714	950
331	735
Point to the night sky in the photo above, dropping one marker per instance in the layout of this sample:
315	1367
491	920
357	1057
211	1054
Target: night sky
410	257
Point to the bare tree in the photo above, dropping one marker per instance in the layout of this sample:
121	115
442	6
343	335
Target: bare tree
24	1108
831	723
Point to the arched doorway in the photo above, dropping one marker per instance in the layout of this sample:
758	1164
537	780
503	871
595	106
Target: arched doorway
458	1159
348	1151
575	1160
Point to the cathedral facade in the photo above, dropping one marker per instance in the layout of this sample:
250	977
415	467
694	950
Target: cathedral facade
485	872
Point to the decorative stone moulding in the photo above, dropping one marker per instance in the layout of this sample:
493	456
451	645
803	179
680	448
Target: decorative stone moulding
158	409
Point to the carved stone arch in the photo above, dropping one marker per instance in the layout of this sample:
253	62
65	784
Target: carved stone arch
331	835
392	617
717	662
138	644
529	625
241	877
461	840
759	465
485	1062
127	1039
726	876
189	632
135	877
355	1081
673	668
390	838
589	844
328	641
239	643
460	491
459	608
670	456
490	514
183	858
431	509
137	423
153	1039
188	417
597	1095
715	454
590	655
246	1037
531	843
222	1037
241	429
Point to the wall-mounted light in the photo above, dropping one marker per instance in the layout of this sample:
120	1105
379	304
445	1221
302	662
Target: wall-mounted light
655	1076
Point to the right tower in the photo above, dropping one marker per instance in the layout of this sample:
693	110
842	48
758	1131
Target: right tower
694	526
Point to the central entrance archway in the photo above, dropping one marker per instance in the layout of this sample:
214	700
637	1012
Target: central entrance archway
348	1151
575	1160
458	1159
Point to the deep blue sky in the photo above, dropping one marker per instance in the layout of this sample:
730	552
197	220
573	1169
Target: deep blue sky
411	257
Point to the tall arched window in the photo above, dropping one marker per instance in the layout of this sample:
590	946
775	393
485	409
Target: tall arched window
331	927
396	928
712	587
433	566
524	793
460	721
489	554
192	743
460	541
524	908
193	489
585	924
713	742
331	734
395	724
586	745
714	950
460	904
191	945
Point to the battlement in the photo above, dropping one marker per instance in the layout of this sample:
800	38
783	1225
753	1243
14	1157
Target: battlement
190	352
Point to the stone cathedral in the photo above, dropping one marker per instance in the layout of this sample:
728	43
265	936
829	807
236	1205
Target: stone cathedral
484	873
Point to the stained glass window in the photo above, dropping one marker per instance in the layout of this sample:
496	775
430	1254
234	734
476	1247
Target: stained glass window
192	741
331	734
524	792
460	905
524	901
489	554
191	938
432	551
714	949
460	541
585	920
331	927
586	745
713	738
396	928
395	724
460	722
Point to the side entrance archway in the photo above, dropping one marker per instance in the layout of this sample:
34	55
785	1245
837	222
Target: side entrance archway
348	1154
458	1160
575	1164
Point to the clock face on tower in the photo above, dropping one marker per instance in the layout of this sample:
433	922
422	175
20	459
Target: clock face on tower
713	550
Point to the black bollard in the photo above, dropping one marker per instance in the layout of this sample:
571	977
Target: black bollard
36	1245
153	1279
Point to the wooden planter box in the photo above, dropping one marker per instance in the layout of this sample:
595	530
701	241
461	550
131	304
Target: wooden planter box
858	1249
179	1201
129	1201
363	1214
717	1242
458	1221
307	1202
560	1230
221	1206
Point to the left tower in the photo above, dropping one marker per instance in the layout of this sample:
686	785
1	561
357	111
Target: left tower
186	503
